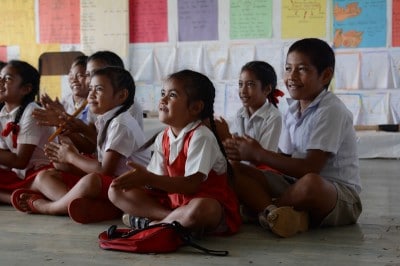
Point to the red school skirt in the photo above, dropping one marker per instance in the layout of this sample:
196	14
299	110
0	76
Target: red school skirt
10	181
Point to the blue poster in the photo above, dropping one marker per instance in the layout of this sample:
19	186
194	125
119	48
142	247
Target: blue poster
359	23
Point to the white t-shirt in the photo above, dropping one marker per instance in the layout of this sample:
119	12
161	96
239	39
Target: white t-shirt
264	125
124	136
30	133
135	110
203	153
325	125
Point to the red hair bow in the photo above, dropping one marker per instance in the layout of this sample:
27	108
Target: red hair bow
277	93
13	128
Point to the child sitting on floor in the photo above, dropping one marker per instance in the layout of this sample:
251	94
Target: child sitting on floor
82	191
320	181
186	180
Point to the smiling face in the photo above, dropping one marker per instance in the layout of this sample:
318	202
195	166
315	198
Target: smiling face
174	108
302	79
251	91
77	81
11	90
102	97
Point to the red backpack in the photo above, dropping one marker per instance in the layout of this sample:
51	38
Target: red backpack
158	238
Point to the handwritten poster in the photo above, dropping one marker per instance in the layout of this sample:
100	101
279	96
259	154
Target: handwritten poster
238	56
251	19
359	23
394	104
373	109
104	26
215	60
164	60
59	21
396	23
353	103
17	23
148	21
303	18
375	70
347	71
141	62
395	64
197	20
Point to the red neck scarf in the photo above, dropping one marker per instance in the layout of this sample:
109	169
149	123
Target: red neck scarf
12	128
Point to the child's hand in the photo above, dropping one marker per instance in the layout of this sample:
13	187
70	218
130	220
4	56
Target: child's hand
59	152
46	117
222	128
241	148
137	177
72	124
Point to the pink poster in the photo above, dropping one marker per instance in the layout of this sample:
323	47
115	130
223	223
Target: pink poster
3	53
148	21
59	21
396	23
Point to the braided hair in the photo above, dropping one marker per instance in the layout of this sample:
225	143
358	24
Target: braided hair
267	75
120	79
29	76
200	88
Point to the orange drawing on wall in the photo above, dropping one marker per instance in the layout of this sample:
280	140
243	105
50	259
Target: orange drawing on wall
343	13
348	39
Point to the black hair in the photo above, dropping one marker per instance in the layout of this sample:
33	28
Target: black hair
80	61
2	64
107	57
198	87
120	79
318	51
29	76
266	74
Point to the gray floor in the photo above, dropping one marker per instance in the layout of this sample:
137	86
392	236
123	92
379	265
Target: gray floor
375	240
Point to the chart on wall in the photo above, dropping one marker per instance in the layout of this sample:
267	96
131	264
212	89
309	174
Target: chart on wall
359	24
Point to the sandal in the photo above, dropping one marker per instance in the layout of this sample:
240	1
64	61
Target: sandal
33	196
85	210
135	222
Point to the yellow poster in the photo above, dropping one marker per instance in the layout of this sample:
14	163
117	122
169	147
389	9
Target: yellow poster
17	23
31	53
303	18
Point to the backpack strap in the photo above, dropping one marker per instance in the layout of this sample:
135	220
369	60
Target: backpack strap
183	233
187	239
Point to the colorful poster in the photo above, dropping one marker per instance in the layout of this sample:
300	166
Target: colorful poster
104	26
59	21
396	23
198	20
359	23
251	19
17	23
148	21
303	18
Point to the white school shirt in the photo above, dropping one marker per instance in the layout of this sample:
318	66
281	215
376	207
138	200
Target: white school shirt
325	125
123	136
69	106
30	133
135	110
264	125
203	154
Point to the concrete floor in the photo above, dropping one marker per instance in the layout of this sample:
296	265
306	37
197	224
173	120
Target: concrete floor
375	240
